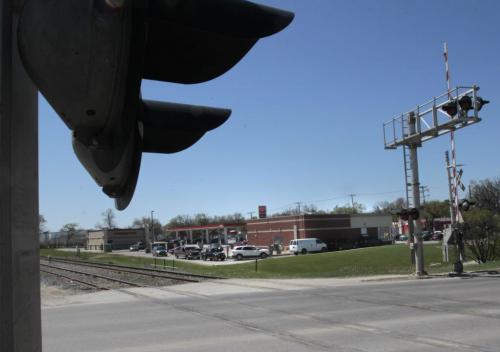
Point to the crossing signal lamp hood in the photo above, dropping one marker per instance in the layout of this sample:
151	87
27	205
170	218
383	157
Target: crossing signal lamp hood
88	58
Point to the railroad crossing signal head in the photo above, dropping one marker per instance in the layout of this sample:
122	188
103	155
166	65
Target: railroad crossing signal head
463	105
406	214
88	58
465	204
480	102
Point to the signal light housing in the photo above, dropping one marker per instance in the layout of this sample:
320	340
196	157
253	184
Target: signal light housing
465	104
406	214
88	58
465	204
480	102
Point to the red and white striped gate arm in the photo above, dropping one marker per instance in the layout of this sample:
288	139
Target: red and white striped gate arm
452	137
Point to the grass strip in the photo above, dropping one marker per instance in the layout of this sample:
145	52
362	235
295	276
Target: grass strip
383	260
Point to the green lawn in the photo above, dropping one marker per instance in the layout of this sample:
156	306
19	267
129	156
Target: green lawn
383	260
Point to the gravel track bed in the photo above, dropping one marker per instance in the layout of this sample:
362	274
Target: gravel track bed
138	279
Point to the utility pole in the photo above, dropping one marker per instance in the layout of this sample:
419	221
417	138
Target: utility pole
423	190
152	226
298	207
352	200
20	318
251	214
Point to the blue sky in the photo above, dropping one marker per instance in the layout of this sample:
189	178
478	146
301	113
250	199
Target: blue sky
308	106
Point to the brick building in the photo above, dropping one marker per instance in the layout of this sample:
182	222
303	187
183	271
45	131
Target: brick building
337	231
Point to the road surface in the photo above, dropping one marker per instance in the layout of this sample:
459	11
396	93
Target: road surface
439	314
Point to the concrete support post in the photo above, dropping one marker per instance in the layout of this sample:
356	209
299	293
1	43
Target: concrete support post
20	322
225	235
207	239
419	244
191	236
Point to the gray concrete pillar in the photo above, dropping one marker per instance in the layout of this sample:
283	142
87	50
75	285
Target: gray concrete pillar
20	322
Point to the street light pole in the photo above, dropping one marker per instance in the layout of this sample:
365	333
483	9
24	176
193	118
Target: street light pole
152	227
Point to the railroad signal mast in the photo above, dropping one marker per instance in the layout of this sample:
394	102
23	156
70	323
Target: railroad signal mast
455	109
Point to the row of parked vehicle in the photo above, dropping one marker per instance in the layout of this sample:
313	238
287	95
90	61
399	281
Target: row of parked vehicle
426	236
193	251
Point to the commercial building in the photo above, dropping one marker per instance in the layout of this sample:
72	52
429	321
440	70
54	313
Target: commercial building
114	238
211	233
337	231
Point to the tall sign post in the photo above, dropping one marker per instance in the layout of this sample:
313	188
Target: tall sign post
20	321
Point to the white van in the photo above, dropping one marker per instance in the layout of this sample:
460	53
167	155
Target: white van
304	245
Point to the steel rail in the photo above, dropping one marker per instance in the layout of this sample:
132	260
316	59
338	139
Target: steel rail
102	265
126	270
94	275
74	279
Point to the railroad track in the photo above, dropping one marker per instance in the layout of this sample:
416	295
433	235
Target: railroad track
167	274
127	271
74	279
54	271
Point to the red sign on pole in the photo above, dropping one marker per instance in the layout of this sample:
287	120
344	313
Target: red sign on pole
262	211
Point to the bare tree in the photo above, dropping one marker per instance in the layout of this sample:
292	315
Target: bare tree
304	209
42	230
486	194
236	218
385	207
70	230
108	220
145	222
358	208
201	219
181	221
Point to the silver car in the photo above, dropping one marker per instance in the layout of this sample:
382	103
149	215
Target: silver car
241	252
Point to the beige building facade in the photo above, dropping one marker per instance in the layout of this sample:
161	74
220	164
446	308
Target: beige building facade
114	238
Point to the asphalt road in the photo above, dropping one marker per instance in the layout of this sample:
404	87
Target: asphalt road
452	314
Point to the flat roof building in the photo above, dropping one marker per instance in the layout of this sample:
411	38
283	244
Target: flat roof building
223	233
338	231
114	238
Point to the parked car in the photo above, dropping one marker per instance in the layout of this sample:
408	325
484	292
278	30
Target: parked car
213	254
188	251
159	251
437	236
138	246
427	235
403	238
241	252
304	245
